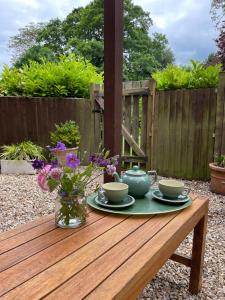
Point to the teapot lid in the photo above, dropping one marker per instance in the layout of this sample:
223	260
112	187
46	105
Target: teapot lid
135	171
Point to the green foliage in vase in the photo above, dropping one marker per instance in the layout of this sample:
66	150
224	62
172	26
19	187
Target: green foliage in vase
219	160
194	76
67	133
22	151
70	77
81	32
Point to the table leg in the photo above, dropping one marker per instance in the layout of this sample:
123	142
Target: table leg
198	250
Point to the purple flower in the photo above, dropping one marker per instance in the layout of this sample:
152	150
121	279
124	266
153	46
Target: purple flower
38	164
72	161
92	158
54	163
102	162
56	173
59	147
110	169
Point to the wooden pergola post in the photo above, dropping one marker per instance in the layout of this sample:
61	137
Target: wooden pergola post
113	61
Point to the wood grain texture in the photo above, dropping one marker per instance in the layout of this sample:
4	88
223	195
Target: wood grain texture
54	276
129	280
113	257
40	261
183	129
25	227
35	245
89	278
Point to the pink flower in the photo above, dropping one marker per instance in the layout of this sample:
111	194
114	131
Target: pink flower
56	173
110	169
43	182
45	171
42	178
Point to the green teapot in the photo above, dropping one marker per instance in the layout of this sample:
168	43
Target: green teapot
139	181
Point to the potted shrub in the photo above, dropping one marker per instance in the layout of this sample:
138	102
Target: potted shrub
217	168
65	139
16	158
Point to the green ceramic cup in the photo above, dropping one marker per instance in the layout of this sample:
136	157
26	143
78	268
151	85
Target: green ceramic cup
115	191
171	189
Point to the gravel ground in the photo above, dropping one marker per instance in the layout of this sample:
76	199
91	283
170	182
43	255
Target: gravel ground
21	201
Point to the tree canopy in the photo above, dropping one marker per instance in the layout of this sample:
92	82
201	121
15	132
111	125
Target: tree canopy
81	32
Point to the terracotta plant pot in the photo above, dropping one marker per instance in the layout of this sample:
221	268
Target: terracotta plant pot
61	154
217	184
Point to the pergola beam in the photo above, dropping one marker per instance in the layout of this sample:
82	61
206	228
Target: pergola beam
113	60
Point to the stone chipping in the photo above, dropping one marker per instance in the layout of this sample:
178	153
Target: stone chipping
21	201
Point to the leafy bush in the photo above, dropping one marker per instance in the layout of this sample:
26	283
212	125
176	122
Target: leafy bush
22	151
220	160
70	77
67	133
195	76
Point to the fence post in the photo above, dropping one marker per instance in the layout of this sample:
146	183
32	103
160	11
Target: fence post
95	134
220	117
150	124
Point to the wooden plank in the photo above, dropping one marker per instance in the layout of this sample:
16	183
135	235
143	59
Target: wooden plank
212	127
48	257
185	133
24	227
130	279
40	285
24	237
150	124
144	123
139	91
182	259
178	132
34	245
155	132
220	114
132	142
127	123
134	158
135	120
89	278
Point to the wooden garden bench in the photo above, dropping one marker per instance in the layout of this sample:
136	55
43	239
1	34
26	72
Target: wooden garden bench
111	257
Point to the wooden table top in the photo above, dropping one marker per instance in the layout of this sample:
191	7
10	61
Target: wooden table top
112	256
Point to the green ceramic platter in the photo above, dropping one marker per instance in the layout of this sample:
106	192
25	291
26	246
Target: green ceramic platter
144	206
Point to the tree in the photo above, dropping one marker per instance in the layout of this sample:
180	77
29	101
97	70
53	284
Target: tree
218	10
221	46
25	39
82	33
35	53
212	60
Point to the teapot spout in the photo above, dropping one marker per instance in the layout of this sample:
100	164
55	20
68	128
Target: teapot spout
117	177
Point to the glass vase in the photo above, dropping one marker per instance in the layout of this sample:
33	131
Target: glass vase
70	212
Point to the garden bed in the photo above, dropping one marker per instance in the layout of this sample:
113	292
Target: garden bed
21	201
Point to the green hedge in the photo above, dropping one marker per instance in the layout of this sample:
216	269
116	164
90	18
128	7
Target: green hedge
195	76
70	77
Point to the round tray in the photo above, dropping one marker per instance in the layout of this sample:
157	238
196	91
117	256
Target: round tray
143	206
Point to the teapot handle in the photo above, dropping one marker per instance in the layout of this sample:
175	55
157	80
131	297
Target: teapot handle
153	173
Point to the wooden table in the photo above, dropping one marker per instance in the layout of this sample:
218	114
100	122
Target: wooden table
111	257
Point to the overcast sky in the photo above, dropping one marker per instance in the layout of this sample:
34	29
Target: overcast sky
186	23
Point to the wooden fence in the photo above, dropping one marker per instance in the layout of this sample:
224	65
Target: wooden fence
184	129
33	118
220	117
136	120
174	132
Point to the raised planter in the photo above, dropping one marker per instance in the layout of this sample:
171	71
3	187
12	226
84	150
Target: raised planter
217	184
17	167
